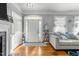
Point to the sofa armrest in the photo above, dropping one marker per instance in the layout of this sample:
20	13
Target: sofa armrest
54	41
77	36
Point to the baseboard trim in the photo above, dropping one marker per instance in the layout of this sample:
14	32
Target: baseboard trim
18	46
52	46
33	42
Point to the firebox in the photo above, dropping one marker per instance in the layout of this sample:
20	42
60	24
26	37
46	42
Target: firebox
2	43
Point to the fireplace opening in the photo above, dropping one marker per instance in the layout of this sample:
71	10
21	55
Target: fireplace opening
2	43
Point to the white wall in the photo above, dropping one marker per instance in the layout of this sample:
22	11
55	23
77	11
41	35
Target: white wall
16	32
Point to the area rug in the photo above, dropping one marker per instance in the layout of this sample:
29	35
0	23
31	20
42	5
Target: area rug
72	52
35	44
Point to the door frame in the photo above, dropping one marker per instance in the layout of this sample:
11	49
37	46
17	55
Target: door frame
26	30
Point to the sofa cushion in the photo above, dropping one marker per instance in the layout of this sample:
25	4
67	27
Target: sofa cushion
69	42
71	36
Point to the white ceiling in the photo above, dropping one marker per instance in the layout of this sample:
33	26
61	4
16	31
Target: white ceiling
56	7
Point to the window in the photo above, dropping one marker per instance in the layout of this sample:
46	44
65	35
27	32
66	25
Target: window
33	22
59	23
76	25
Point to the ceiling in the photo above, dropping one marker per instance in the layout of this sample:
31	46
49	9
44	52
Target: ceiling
54	7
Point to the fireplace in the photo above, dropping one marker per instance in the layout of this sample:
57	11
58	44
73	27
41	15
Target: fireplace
2	43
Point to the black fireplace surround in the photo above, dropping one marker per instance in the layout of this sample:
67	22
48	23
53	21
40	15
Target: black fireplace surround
3	11
2	43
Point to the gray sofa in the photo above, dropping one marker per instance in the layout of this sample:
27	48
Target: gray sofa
67	43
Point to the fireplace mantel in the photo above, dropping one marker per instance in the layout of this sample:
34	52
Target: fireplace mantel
6	26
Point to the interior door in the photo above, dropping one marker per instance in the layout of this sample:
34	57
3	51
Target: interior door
33	31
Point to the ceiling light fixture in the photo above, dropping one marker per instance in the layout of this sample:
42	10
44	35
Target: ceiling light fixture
29	5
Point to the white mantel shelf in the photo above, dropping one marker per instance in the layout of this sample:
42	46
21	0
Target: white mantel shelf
4	22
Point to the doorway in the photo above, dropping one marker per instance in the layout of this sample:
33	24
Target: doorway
33	29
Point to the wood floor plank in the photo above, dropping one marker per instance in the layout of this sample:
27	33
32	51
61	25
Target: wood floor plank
38	51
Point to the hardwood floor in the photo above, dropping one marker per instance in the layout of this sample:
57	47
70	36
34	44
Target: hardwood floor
38	51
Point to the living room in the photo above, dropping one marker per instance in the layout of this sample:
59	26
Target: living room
39	29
